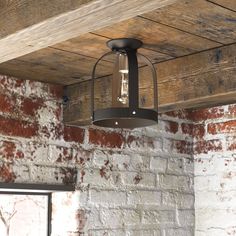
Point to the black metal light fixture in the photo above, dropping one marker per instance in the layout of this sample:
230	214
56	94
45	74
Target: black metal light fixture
125	106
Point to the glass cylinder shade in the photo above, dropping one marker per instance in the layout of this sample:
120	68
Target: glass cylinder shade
124	90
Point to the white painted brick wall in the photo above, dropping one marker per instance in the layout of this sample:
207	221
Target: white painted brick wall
139	193
215	179
139	183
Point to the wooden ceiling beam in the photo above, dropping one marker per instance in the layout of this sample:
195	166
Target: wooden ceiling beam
201	80
29	25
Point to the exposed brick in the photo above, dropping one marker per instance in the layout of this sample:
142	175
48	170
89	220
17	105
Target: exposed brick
121	177
11	84
182	146
140	142
7	103
18	128
207	146
171	127
205	114
105	139
6	173
29	107
7	150
187	128
73	134
222	127
194	130
181	114
56	91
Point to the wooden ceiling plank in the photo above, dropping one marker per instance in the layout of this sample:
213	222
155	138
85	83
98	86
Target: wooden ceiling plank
229	4
158	37
62	67
28	25
75	65
201	80
199	17
31	71
95	46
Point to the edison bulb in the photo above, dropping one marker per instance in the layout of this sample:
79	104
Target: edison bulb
124	79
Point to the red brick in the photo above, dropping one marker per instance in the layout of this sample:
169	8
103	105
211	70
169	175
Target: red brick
140	142
187	128
10	83
7	104
196	131
56	91
17	128
205	114
181	114
73	134
171	127
6	173
223	127
204	146
182	146
105	139
29	107
7	149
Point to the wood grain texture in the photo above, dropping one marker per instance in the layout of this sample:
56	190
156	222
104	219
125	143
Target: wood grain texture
199	17
95	46
69	62
31	71
51	22
16	15
158	37
230	4
197	80
200	80
57	67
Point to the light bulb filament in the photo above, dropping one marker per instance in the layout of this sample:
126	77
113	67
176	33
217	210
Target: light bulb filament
124	95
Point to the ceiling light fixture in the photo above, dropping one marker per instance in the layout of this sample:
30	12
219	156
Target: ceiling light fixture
126	106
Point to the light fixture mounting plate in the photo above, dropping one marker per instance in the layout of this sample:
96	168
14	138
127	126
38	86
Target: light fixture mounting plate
124	44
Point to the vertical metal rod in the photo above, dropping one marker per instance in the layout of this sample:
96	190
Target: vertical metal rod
133	80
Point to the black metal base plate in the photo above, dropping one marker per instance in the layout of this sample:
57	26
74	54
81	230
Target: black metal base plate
124	118
124	44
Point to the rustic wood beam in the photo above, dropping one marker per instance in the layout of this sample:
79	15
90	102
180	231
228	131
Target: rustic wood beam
201	80
29	25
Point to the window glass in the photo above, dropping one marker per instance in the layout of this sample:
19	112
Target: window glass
23	215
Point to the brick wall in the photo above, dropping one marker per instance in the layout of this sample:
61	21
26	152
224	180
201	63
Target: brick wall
128	182
215	172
